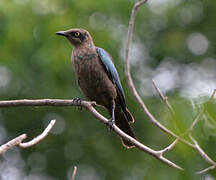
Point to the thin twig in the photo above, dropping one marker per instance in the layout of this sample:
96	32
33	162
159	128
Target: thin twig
74	173
168	148
165	99
130	81
201	113
38	138
156	154
196	120
90	106
14	142
18	140
140	101
202	153
206	169
213	94
198	148
42	102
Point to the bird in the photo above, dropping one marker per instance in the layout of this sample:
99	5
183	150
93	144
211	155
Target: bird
98	79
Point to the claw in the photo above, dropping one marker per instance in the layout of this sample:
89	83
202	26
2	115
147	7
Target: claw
112	121
77	102
110	124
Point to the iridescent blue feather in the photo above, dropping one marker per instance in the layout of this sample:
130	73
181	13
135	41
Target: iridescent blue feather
106	60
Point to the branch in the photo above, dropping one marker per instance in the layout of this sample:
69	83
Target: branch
142	104
130	81
38	138
74	173
44	102
165	99
156	154
168	148
201	113
213	94
90	106
196	120
14	142
206	169
203	154
197	147
18	140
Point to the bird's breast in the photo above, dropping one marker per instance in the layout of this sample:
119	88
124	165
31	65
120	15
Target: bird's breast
93	80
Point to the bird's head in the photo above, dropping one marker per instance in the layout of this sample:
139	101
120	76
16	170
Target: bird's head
77	37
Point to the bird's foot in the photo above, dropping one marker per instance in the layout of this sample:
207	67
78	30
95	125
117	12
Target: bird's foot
77	102
110	124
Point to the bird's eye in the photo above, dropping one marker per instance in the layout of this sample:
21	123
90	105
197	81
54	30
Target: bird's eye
77	34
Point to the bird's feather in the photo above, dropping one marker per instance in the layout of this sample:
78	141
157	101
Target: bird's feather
107	62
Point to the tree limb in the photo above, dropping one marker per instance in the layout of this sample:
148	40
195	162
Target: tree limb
130	81
90	106
38	138
188	132
14	142
206	169
74	173
18	140
164	98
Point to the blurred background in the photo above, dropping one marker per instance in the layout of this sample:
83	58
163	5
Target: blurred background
174	44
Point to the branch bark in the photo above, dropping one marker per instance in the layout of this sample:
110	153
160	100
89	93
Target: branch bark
74	173
14	142
90	106
18	140
38	138
164	98
130	81
195	145
189	131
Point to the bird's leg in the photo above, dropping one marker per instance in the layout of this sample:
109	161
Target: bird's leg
112	121
77	102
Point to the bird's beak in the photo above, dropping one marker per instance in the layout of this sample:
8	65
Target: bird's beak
62	33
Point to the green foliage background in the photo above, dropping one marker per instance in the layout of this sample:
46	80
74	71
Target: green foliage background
174	43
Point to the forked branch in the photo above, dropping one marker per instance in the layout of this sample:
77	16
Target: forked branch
74	173
130	81
90	106
142	104
188	132
18	141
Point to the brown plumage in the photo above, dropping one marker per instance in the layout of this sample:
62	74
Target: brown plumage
98	78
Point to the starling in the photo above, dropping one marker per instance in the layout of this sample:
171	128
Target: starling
98	79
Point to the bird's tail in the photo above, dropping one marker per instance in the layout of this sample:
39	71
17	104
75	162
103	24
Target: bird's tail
123	120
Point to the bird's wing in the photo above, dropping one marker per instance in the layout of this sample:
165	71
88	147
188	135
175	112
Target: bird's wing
107	62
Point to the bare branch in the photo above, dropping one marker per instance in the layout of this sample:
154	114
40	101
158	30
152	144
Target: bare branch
43	102
18	140
14	142
206	169
168	148
142	104
90	107
213	94
156	154
198	148
38	138
165	99
130	81
196	120
201	113
74	173
202	153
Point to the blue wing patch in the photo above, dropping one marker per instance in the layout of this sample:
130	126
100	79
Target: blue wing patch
106	60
